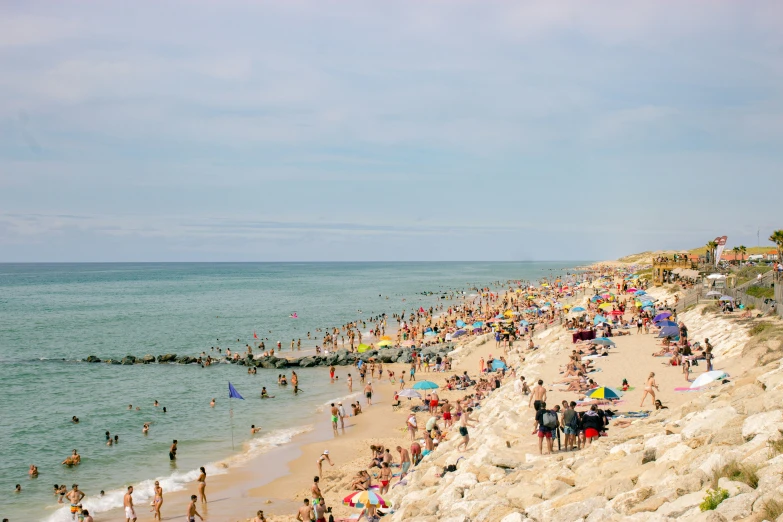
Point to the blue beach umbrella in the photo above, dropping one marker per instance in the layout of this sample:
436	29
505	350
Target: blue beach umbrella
458	333
523	323
460	323
497	364
577	309
639	292
425	385
429	333
605	392
602	340
661	316
666	323
599	319
669	331
478	324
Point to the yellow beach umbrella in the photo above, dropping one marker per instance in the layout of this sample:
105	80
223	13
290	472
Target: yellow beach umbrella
385	338
385	342
605	306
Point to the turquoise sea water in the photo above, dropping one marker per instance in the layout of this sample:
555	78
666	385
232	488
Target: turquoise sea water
53	315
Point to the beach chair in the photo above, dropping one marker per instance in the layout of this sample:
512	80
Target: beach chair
396	406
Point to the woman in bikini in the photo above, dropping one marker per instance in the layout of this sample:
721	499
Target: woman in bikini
157	501
649	388
202	484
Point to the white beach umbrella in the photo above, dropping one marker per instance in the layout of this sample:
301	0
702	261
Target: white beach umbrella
705	378
410	393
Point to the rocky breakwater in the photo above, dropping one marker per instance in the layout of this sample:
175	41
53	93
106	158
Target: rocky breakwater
338	358
728	438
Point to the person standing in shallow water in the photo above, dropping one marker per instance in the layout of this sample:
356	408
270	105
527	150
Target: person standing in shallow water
173	450
202	484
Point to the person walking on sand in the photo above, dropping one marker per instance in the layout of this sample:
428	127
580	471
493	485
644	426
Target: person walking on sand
157	501
368	393
127	503
191	512
537	395
412	425
320	462
202	484
464	423
649	388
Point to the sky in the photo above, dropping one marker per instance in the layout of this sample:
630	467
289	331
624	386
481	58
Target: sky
360	130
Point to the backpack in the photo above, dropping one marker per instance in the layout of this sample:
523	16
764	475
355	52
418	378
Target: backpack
550	419
574	423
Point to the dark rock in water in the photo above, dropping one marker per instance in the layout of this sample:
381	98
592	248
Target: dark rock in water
405	358
111	361
281	363
92	359
169	357
127	360
268	362
186	359
307	362
388	356
369	354
131	358
148	359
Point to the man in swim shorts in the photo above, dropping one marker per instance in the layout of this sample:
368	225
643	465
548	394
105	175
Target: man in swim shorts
191	512
464	422
75	496
335	416
405	461
173	450
127	502
368	393
434	400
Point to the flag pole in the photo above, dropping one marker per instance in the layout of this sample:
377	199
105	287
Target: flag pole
231	417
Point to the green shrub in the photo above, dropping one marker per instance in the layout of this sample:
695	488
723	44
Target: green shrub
733	470
760	292
759	328
713	498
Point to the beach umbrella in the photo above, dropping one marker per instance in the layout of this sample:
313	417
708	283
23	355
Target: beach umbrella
523	323
478	324
428	333
605	306
640	292
603	341
726	298
460	323
661	316
410	393
558	305
615	312
669	331
425	385
458	333
363	348
631	290
716	276
708	377
605	392
362	499
600	319
385	338
666	323
387	342
647	308
713	294
497	364
577	309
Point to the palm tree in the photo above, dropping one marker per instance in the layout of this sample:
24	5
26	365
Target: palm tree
743	250
712	245
736	251
777	238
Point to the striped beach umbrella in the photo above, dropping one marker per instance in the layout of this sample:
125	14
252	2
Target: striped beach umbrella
363	499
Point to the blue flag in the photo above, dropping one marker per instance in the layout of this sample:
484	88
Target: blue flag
233	393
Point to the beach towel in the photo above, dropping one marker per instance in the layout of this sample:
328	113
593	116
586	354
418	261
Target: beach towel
595	370
682	390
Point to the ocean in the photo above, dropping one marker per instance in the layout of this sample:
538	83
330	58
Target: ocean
52	315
